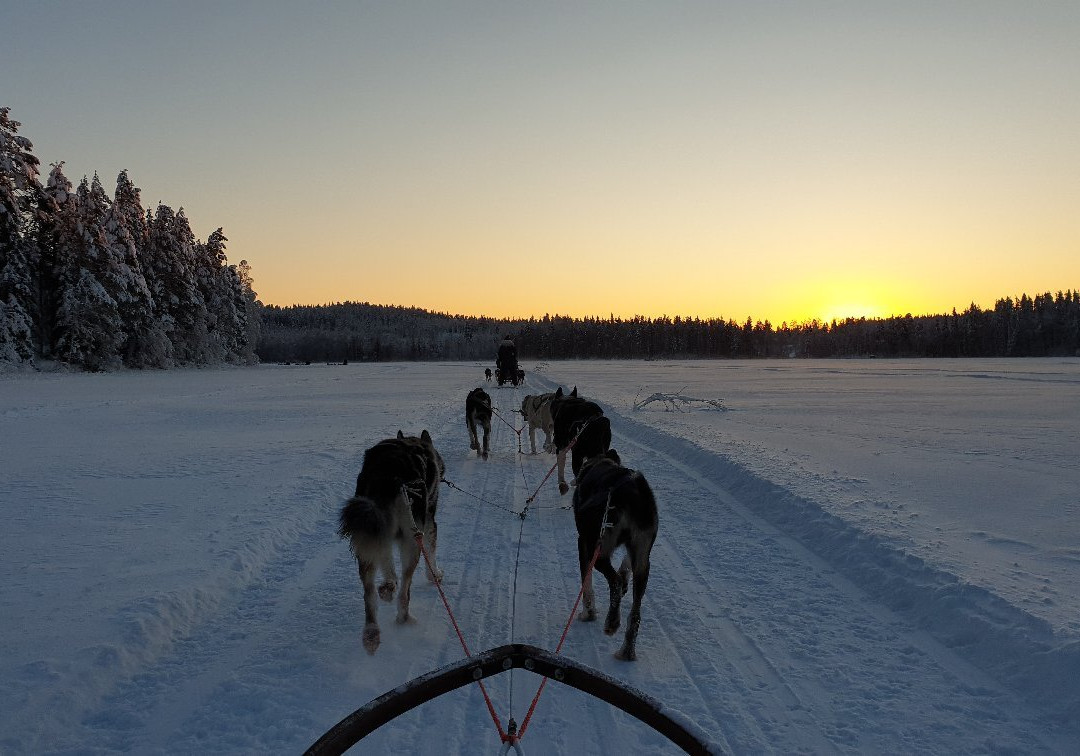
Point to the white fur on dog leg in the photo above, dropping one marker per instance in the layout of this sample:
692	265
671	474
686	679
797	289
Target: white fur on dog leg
371	638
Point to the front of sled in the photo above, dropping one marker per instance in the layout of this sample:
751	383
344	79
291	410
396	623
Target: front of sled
678	729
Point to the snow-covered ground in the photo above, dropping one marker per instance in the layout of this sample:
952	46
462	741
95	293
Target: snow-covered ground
854	556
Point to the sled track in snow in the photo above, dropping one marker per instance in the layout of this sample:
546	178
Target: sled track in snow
1007	646
771	625
737	672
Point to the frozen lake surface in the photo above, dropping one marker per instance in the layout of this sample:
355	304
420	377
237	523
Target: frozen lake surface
854	556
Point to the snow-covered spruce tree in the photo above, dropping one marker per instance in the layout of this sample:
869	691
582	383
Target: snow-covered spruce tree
19	191
252	309
60	256
127	232
172	272
220	289
90	332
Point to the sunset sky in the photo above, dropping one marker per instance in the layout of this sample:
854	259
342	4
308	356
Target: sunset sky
774	160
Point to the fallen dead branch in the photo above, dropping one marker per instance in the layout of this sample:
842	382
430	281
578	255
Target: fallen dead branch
679	402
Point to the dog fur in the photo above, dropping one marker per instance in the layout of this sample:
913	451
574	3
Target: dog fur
574	417
397	492
478	412
605	485
487	373
536	409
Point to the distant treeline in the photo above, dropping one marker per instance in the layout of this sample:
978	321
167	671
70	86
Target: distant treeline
95	282
1046	325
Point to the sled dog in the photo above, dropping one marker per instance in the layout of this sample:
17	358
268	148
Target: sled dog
397	492
604	485
487	373
536	409
573	417
478	412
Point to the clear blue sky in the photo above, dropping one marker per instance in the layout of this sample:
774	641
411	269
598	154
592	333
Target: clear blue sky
780	160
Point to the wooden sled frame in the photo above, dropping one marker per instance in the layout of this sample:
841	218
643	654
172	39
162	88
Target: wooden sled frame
396	702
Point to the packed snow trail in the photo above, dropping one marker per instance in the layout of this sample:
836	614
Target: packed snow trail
745	630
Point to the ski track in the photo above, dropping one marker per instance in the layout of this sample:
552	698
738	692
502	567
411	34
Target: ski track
797	659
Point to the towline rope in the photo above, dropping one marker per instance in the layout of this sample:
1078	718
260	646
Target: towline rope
503	737
569	447
566	630
512	737
497	414
479	498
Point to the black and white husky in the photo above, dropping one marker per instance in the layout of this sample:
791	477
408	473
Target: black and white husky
605	487
397	492
478	412
536	409
575	418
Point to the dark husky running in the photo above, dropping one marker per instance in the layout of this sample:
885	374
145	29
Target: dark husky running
397	492
573	417
604	485
478	412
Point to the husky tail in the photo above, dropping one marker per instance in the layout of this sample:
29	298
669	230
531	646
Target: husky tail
363	516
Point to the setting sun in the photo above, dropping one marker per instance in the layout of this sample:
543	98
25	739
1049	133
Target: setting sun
853	309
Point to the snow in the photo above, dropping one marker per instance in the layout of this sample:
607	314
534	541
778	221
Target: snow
854	556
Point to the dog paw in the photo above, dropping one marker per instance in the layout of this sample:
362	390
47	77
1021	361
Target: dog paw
408	619
485	455
626	654
371	638
587	616
436	576
386	591
610	628
563	488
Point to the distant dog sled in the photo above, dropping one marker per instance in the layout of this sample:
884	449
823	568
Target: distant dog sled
506	364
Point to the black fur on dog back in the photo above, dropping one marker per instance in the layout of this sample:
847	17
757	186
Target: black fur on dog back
607	489
389	465
573	416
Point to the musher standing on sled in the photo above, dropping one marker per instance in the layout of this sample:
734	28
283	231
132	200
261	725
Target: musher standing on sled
506	362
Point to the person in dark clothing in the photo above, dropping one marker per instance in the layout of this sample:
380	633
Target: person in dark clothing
506	362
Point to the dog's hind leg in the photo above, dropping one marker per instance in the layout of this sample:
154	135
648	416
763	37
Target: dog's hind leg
410	557
640	559
371	608
431	540
474	443
624	573
615	591
588	598
385	560
560	461
487	432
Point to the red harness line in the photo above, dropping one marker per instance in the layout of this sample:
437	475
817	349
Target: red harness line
569	446
503	737
566	631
